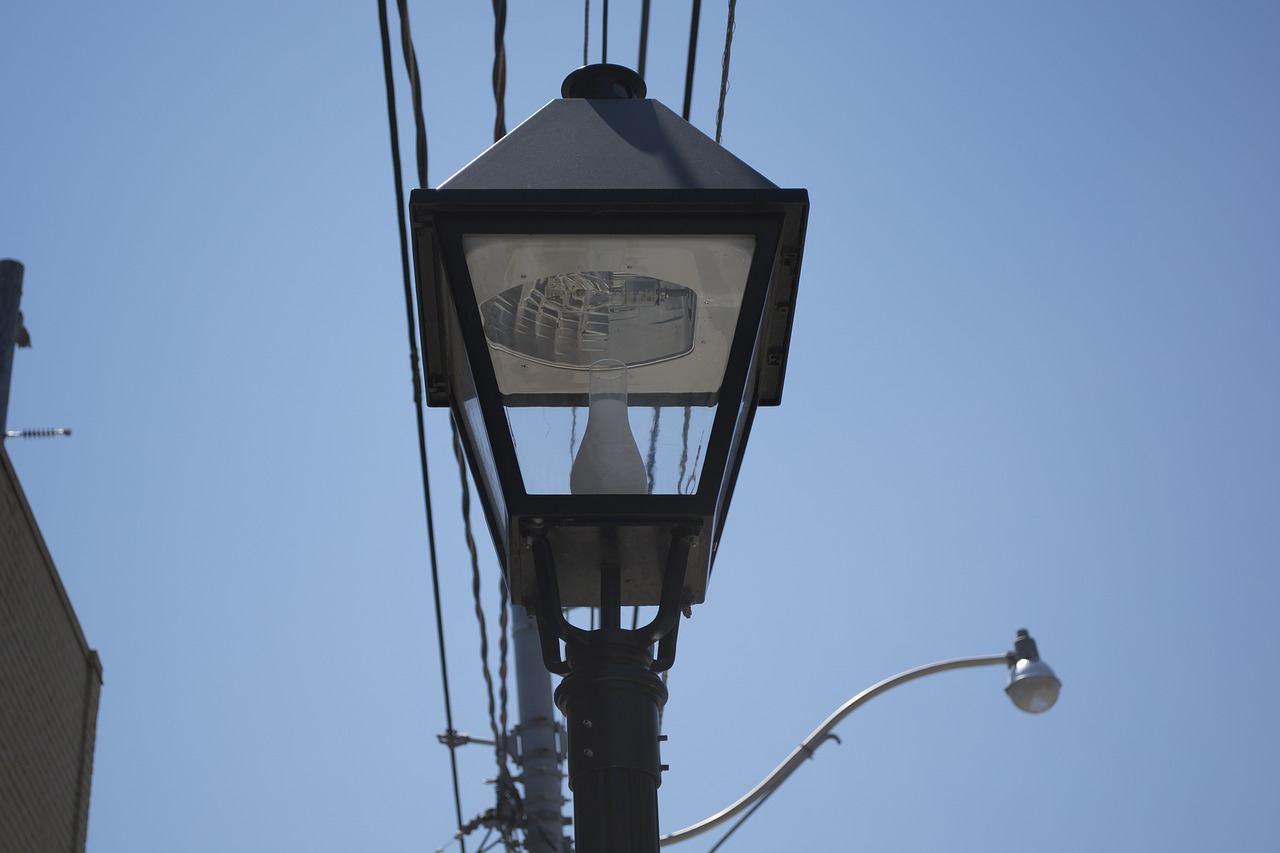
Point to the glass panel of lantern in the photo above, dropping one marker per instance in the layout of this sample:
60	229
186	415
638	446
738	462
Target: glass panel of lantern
609	352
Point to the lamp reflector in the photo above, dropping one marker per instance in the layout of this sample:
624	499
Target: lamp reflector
575	319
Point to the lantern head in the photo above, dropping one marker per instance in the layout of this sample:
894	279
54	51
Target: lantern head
606	297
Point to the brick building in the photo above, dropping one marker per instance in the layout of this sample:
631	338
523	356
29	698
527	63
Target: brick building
49	684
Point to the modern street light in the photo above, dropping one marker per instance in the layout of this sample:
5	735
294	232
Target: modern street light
1032	686
607	271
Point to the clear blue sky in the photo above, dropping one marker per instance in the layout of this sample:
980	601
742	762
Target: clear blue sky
1033	382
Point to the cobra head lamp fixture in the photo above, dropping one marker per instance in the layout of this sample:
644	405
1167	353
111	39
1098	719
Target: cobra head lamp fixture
1032	685
606	297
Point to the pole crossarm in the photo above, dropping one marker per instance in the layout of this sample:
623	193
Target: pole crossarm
820	735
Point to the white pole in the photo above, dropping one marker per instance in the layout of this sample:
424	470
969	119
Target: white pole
538	756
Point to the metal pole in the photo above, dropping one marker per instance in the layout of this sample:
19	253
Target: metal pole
612	699
10	298
538	757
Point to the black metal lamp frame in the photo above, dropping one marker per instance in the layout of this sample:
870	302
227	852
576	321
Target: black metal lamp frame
453	332
662	629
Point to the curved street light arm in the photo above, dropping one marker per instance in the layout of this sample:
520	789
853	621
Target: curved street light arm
810	744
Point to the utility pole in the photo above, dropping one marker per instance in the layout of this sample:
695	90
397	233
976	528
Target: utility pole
10	299
539	756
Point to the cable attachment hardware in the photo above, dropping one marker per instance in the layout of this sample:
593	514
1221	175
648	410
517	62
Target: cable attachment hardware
45	432
453	739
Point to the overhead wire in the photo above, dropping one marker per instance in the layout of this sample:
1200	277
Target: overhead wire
499	131
421	150
724	68
415	92
683	485
651	459
508	805
604	32
644	37
694	19
507	796
499	69
693	55
474	554
684	443
740	821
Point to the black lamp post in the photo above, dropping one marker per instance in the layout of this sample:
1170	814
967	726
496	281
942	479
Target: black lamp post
603	274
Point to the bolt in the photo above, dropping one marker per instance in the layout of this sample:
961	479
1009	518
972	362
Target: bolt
586	724
588	753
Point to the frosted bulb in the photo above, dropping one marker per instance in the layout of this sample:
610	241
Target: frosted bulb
608	461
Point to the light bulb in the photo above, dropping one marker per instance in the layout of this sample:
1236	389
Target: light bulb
608	461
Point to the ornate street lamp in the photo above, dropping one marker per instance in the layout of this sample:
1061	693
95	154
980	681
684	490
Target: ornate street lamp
606	297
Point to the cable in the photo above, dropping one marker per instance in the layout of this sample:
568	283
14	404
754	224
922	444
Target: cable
475	594
505	785
650	464
413	360
507	809
741	821
415	91
684	444
724	68
411	65
499	69
604	33
693	53
652	459
504	622
644	37
586	28
499	131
